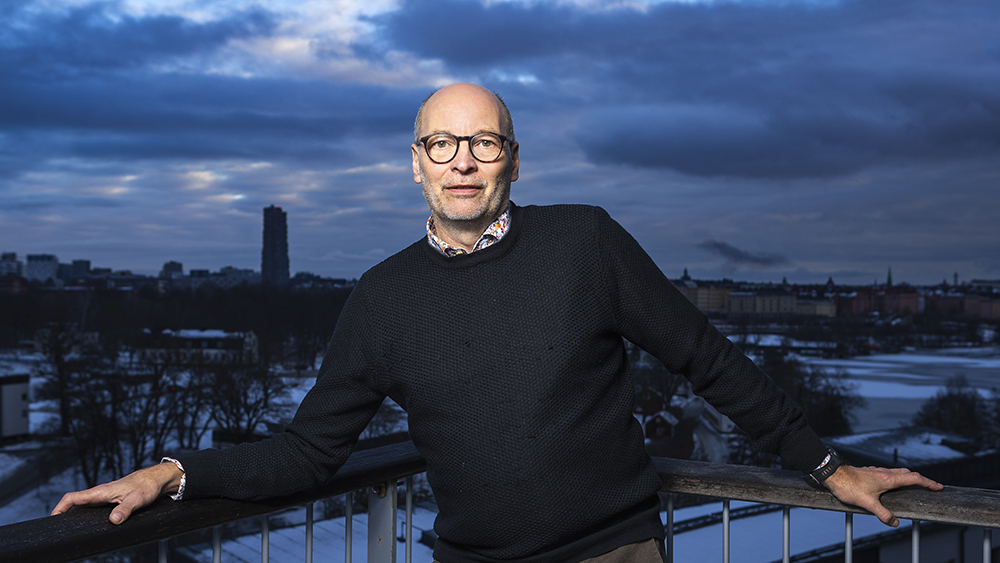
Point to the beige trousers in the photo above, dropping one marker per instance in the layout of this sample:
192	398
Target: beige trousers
649	551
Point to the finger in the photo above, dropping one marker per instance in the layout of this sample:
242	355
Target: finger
64	504
89	497
120	513
914	478
883	514
131	502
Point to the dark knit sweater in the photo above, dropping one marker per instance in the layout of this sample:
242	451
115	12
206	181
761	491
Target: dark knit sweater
511	365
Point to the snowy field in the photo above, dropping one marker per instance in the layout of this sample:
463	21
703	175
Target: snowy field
8	465
38	502
895	385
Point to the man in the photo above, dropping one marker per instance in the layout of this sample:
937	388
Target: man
501	334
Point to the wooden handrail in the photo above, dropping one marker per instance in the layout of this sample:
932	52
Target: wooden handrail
86	532
953	505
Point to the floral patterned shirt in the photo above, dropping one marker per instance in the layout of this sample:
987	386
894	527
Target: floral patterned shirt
492	234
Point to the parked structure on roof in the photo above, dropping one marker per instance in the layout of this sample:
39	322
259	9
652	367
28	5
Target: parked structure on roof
14	404
198	347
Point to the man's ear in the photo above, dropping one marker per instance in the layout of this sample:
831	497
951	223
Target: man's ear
416	163
516	161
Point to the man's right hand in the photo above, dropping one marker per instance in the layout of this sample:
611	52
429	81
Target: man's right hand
130	493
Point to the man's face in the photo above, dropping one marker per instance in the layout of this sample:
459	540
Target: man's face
464	189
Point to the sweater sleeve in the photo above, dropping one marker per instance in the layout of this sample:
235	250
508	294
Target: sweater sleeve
653	314
322	434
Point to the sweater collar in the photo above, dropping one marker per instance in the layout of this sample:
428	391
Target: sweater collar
490	252
492	234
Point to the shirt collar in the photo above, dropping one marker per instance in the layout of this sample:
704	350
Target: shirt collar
492	234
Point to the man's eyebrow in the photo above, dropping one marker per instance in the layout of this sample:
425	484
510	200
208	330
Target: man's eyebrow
480	132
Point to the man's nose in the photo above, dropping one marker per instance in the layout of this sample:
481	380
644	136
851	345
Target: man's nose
464	162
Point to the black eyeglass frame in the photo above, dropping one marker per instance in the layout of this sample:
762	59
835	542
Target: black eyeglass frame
458	140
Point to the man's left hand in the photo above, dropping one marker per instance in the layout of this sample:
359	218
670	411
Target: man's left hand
863	486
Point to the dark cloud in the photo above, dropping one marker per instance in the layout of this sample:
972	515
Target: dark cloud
98	38
747	90
72	203
735	257
144	115
928	121
87	83
837	132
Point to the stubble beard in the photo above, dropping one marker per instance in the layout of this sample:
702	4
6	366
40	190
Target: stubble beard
486	212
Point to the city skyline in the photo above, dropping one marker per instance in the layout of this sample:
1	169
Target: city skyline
274	250
746	140
81	268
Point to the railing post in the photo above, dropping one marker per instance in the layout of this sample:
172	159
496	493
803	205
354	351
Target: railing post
725	531
382	523
987	545
265	539
848	537
349	527
409	520
786	534
309	532
915	542
670	528
216	544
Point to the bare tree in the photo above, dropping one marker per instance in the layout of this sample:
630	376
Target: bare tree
243	396
145	412
56	342
191	393
960	409
828	399
92	401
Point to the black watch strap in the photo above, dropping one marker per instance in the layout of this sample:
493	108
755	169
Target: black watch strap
829	466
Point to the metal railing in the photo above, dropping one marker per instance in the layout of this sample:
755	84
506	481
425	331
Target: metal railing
86	532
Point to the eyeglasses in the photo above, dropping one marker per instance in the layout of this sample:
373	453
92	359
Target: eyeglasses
442	147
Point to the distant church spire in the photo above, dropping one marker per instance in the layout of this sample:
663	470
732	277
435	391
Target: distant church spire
888	281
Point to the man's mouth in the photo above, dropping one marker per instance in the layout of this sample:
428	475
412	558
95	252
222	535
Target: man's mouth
464	189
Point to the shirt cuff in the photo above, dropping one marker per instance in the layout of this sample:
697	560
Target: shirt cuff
180	489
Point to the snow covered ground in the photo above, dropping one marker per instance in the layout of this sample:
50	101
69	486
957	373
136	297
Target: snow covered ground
8	465
38	502
895	385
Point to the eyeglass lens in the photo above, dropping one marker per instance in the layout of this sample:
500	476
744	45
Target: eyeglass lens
485	147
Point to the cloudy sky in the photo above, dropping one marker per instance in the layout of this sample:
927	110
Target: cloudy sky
744	139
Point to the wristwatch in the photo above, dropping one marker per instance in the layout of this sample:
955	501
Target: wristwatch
829	465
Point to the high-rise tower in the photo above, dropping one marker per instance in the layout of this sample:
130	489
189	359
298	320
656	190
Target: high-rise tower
274	255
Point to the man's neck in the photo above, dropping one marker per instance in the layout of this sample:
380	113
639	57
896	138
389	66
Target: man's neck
463	234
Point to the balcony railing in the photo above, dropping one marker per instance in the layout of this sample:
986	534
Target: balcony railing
86	532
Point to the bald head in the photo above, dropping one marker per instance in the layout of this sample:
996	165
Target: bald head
464	94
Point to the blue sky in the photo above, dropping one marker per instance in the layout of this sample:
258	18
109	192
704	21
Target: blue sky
751	140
